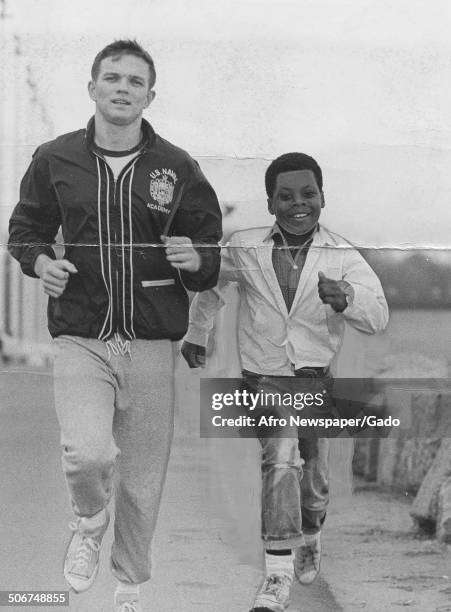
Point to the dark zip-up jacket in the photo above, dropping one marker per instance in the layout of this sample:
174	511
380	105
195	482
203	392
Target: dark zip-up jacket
111	231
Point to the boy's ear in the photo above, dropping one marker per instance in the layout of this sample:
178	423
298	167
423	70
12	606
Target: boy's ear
270	206
323	201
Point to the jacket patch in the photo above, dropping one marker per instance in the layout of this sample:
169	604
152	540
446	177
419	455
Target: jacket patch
158	207
161	187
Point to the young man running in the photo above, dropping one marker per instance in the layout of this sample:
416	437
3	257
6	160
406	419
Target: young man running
136	214
299	284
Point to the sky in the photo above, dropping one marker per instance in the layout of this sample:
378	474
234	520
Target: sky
363	85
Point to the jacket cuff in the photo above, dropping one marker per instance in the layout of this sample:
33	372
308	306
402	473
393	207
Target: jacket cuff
356	301
349	292
28	262
196	335
207	275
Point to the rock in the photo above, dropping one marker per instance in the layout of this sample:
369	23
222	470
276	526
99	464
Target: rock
425	505
416	457
389	453
365	458
444	512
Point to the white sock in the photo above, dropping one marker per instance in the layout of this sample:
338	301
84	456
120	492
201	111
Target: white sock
127	587
93	522
311	537
279	564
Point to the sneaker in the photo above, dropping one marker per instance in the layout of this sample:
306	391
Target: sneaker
307	559
126	602
82	557
274	594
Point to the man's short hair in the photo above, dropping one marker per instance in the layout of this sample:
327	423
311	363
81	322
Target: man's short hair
118	48
290	162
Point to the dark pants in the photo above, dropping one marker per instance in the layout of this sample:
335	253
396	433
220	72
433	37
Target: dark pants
295	488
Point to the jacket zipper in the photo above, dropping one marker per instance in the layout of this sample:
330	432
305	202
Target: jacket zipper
116	271
115	320
121	173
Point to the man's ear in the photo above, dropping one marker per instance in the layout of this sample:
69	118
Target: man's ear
92	90
270	206
323	201
150	97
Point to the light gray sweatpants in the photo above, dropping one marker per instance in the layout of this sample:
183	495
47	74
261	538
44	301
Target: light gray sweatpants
116	414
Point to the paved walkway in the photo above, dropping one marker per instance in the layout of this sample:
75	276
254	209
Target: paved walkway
207	554
206	551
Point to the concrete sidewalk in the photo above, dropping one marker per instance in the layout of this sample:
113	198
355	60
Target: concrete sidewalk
207	551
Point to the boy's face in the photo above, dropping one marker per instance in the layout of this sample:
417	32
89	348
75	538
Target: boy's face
297	201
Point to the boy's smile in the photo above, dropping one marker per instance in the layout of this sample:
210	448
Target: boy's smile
297	201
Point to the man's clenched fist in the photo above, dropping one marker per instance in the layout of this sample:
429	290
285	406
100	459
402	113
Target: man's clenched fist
180	253
332	292
54	274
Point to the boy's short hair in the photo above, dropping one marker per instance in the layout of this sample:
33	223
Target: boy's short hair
290	162
124	47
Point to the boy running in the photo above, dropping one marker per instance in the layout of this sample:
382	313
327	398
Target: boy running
299	284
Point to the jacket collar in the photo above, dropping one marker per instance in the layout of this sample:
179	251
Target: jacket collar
148	133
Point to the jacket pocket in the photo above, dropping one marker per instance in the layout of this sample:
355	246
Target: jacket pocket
162	309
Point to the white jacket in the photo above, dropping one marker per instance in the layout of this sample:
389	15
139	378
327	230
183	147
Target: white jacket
271	339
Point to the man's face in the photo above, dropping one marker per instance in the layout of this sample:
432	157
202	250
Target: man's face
297	201
121	90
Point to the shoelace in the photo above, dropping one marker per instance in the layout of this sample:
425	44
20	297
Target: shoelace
129	606
83	555
308	557
274	584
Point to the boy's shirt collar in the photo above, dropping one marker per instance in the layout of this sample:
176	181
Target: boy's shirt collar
319	236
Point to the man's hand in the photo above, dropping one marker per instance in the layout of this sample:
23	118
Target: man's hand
331	292
194	354
181	254
54	274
